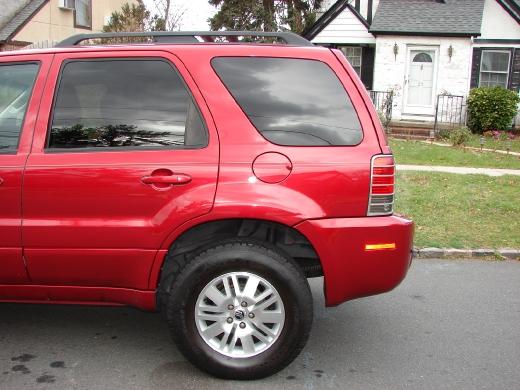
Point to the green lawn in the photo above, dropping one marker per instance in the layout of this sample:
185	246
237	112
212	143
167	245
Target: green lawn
491	143
419	153
461	211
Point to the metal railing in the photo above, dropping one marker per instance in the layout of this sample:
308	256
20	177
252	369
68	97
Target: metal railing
383	102
450	112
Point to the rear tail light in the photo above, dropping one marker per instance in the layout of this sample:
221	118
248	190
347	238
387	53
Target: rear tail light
382	185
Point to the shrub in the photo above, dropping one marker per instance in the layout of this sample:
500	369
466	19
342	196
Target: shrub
444	134
491	109
460	136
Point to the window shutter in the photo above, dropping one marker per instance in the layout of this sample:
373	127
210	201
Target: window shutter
367	66
514	73
475	67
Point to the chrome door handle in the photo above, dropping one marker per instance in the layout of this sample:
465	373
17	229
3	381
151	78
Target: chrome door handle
176	178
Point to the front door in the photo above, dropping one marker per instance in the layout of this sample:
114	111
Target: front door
127	154
20	90
420	82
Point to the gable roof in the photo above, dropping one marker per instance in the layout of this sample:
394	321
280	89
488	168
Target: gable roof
428	17
512	7
332	13
19	20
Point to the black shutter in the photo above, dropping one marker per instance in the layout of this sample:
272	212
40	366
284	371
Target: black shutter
514	74
475	67
367	66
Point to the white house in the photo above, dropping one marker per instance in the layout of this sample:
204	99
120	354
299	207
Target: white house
424	48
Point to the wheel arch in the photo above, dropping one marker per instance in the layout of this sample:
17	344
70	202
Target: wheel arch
205	234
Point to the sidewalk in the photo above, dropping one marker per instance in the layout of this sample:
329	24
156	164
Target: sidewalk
459	170
474	148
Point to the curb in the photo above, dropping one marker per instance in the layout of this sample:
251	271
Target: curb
449	253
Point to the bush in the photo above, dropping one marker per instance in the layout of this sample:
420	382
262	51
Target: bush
444	134
491	109
460	136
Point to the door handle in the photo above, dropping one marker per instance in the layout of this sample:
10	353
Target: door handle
173	179
1	181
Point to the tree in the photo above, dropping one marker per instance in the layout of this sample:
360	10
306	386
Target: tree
264	15
134	18
170	14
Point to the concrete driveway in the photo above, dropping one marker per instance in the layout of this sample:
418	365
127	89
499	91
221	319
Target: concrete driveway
450	325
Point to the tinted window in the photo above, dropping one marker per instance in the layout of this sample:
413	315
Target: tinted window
16	82
124	103
291	101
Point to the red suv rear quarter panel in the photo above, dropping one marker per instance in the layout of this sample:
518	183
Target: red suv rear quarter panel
325	182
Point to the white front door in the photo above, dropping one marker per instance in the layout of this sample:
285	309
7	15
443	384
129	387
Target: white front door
420	81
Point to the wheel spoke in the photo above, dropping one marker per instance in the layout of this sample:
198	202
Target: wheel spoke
248	345
264	295
237	329
211	317
251	287
236	286
269	317
265	330
260	336
210	309
216	296
212	331
266	303
225	338
227	288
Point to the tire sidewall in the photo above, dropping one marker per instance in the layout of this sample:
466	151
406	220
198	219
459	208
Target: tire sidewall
283	275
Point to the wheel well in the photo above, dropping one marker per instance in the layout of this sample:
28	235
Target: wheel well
285	238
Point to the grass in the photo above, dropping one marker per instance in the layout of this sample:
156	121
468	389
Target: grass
461	211
491	143
420	153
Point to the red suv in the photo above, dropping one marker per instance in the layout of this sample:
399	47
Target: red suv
202	178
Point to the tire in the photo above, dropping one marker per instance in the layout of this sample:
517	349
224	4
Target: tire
239	351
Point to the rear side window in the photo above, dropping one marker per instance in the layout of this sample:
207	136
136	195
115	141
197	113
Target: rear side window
124	103
16	83
293	102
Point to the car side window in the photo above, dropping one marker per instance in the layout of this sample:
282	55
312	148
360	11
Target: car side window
16	83
293	102
117	103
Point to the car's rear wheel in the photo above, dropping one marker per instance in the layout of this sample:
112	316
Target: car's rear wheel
239	310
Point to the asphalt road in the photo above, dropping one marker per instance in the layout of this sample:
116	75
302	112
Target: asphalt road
450	325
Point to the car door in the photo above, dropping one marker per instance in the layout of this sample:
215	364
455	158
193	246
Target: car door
21	83
124	152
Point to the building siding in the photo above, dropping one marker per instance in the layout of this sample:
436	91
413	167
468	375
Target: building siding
452	76
346	28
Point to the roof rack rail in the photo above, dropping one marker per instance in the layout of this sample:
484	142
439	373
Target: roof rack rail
188	36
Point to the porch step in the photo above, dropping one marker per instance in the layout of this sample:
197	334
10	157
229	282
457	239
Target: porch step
411	131
412	124
410	137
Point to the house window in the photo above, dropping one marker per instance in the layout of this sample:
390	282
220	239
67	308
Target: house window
353	54
494	68
83	13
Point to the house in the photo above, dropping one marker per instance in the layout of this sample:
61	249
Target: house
421	49
41	23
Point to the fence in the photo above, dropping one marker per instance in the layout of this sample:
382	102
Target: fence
450	112
383	102
41	45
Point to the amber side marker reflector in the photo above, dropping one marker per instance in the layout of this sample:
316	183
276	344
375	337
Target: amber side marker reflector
379	247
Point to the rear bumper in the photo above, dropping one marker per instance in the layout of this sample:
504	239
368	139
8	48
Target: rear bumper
350	270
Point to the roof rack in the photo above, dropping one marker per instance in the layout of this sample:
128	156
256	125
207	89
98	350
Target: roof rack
188	36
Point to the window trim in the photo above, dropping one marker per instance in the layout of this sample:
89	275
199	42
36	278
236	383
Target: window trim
480	71
291	58
360	57
49	150
76	25
38	64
